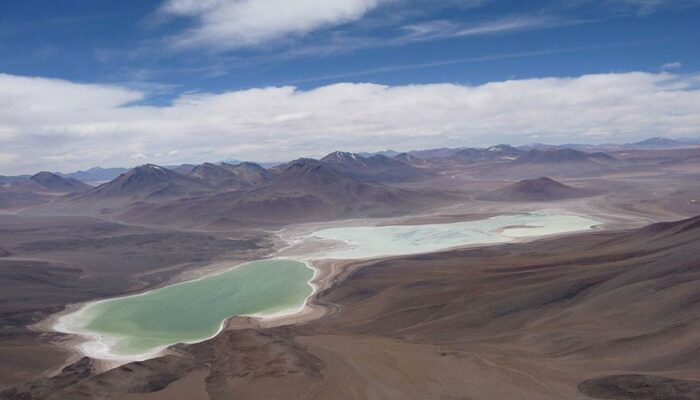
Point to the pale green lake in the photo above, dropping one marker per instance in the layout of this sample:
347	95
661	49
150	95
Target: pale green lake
139	326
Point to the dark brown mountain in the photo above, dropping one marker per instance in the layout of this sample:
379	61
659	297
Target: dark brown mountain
6	180
501	152
309	173
556	156
441	152
147	182
306	190
96	174
469	155
540	189
252	173
219	176
55	183
657	142
376	168
37	189
505	152
182	169
409	159
225	176
313	189
564	162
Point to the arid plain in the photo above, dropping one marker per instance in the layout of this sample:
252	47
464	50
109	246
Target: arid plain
609	313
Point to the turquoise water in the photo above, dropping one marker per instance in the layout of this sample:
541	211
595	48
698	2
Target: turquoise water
378	241
191	311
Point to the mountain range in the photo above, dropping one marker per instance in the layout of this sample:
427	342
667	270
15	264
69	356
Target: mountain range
55	183
306	189
502	152
341	184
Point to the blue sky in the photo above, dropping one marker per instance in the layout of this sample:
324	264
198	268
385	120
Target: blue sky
276	79
125	42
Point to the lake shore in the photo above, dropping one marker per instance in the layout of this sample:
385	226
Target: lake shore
326	273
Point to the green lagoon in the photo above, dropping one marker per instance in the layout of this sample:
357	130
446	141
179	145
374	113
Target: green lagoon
135	327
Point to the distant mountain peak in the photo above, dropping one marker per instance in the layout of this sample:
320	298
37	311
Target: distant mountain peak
538	189
43	176
248	164
564	155
151	167
95	174
374	168
222	176
307	164
56	183
305	171
657	141
387	152
504	148
407	157
342	156
148	180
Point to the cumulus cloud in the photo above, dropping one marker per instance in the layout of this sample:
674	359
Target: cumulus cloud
61	125
139	156
235	24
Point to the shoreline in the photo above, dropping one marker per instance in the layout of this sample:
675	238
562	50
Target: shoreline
325	272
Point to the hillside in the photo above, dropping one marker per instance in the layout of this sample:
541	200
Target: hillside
218	176
55	183
539	189
252	173
146	182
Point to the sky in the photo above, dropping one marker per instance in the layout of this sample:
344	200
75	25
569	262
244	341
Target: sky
87	83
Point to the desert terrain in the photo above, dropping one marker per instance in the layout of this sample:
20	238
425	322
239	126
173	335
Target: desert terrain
610	313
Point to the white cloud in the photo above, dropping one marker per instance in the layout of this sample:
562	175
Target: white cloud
442	29
40	102
650	6
671	65
234	24
60	125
